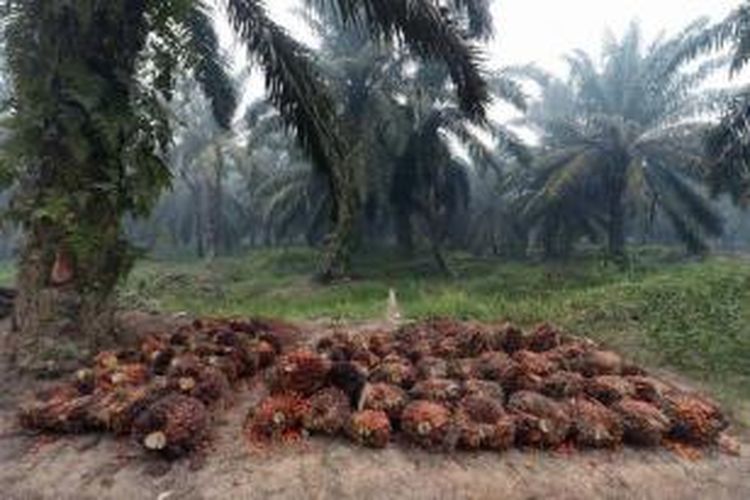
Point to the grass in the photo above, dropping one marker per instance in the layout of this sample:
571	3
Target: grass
691	317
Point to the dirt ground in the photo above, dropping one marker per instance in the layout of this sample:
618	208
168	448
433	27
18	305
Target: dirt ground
37	467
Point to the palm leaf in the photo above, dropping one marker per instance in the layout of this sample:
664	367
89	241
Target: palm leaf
210	67
422	26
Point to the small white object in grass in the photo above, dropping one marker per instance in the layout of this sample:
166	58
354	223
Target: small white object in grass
393	314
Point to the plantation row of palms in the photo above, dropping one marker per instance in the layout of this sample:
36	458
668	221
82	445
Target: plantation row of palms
112	103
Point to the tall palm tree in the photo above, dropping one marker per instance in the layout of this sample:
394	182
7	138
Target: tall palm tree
90	134
728	143
621	134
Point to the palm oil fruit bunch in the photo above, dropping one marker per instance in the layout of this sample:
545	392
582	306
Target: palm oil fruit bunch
329	412
174	425
370	428
439	384
161	390
443	383
277	418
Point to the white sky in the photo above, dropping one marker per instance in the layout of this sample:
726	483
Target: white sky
541	31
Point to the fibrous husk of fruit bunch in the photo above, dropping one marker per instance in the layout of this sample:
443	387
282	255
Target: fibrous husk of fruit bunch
609	389
643	423
545	337
499	367
432	367
563	385
328	413
341	346
116	410
370	428
60	409
595	425
541	422
481	423
695	419
534	363
277	418
510	339
349	378
441	390
259	355
484	388
474	340
387	398
174	425
417	351
598	362
427	423
493	365
381	344
303	372
649	389
209	385
463	369
396	370
86	405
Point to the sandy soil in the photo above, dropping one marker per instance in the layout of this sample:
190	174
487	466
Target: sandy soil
36	467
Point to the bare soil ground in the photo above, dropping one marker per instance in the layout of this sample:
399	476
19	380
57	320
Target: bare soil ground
37	467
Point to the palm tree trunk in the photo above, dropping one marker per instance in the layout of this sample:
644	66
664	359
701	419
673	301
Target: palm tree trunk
616	232
616	216
64	310
337	256
404	231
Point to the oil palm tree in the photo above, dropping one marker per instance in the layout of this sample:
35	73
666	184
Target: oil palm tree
619	135
397	121
90	134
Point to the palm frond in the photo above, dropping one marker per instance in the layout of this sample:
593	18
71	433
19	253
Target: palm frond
209	64
733	30
422	26
293	84
508	89
479	17
729	149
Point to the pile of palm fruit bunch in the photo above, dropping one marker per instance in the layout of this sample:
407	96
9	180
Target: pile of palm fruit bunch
444	385
164	391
